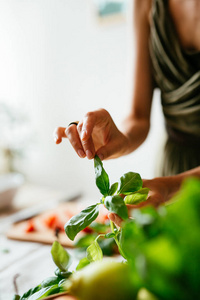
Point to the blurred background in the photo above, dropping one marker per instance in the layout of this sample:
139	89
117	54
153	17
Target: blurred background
58	60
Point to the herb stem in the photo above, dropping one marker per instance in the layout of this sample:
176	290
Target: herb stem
112	226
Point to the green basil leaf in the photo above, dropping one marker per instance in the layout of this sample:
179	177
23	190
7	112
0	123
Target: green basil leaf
115	204
62	274
113	189
81	220
102	179
82	263
44	292
60	256
30	292
129	183
94	252
109	235
137	197
49	281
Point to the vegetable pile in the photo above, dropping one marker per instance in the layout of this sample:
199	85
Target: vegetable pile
160	248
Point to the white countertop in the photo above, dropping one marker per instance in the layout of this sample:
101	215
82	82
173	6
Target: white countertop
29	262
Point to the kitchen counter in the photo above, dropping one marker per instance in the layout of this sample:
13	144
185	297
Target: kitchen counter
24	265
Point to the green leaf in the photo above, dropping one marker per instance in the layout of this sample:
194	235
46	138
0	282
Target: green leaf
49	281
44	292
30	292
81	220
102	179
137	196
62	274
115	204
113	189
82	263
109	235
60	256
16	297
94	252
129	183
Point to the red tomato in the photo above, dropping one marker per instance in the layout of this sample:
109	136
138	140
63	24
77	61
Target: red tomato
87	230
30	226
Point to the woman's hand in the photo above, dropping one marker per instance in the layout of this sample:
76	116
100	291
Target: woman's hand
159	193
97	134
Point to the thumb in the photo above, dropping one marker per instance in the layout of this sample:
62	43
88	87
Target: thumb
109	151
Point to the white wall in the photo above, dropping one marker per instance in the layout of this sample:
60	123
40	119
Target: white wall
56	63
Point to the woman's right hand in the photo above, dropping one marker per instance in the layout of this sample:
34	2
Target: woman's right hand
97	134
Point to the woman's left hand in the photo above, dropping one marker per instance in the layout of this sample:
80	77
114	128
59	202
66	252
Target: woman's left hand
158	195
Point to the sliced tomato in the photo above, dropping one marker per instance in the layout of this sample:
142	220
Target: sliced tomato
30	227
87	230
50	221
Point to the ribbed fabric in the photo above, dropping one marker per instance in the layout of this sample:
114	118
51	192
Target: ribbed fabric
177	74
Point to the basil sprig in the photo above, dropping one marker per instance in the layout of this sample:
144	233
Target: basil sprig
130	185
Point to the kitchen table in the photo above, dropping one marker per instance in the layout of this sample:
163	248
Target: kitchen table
23	265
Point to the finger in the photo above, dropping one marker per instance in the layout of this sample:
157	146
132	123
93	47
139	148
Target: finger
110	150
98	118
58	134
88	144
72	134
115	219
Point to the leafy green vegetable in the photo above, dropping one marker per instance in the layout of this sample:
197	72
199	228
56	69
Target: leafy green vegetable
60	256
62	274
102	179
109	235
137	197
163	246
115	204
81	221
82	263
113	189
44	292
50	281
129	183
94	252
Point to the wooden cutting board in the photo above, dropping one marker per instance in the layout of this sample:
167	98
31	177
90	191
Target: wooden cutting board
47	223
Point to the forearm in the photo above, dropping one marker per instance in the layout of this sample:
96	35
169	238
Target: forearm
174	182
169	185
136	130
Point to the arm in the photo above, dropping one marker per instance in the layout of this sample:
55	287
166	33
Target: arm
162	189
97	133
136	125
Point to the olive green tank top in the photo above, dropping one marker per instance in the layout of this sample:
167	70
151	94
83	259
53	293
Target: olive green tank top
176	73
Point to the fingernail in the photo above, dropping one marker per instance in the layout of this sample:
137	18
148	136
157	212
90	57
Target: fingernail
81	153
100	156
89	154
